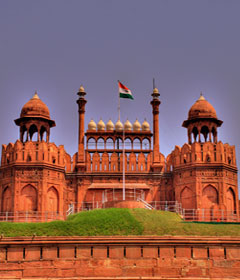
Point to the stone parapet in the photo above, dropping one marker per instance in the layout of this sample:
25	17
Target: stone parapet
123	257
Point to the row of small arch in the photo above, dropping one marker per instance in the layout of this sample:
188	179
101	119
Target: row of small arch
109	143
92	126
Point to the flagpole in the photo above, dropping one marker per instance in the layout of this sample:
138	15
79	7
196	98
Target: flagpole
123	164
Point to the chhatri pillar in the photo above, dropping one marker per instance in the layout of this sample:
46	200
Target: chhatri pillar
81	166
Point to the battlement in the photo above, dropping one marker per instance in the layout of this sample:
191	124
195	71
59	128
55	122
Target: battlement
207	153
33	152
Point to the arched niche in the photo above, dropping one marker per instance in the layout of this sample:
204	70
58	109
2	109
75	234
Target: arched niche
230	200
187	198
28	199
52	200
209	197
6	200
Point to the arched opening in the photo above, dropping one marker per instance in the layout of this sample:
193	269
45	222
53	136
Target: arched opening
128	144
100	143
146	144
187	198
230	197
214	134
33	132
205	132
210	197
195	133
52	200
28	199
118	144
109	144
43	133
24	134
6	200
91	143
136	144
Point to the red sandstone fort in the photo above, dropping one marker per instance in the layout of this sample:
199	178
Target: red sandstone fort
36	176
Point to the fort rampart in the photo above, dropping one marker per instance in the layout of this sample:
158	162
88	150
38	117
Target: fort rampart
148	257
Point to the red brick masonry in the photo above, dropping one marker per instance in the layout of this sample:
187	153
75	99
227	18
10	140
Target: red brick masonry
148	257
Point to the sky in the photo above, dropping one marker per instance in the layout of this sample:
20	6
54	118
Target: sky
53	47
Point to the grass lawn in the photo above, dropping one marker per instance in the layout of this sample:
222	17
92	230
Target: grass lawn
120	222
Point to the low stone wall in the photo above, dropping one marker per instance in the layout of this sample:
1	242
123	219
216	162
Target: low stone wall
147	257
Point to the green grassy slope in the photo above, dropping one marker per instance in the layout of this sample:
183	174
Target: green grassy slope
120	222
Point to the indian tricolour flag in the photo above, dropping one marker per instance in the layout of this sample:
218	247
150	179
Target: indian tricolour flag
124	92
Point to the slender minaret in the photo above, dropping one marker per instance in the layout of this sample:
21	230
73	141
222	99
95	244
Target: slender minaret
81	111
156	154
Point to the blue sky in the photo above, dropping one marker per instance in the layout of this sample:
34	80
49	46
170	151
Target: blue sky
55	46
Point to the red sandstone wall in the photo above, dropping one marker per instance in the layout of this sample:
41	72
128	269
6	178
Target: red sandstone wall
120	257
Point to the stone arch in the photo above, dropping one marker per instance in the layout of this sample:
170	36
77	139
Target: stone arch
128	143
136	144
209	197
109	143
28	199
230	200
118	143
205	132
6	200
33	132
100	143
43	133
146	144
187	198
195	133
52	200
91	143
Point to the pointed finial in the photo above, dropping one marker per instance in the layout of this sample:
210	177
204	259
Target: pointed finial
35	96
81	91
201	96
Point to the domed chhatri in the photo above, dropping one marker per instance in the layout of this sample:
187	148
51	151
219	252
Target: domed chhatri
145	126
118	126
110	125
127	125
92	125
136	125
202	109
35	107
101	125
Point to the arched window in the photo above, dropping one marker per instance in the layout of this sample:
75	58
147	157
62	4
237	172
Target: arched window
100	143
146	144
128	144
91	143
136	144
118	144
109	144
